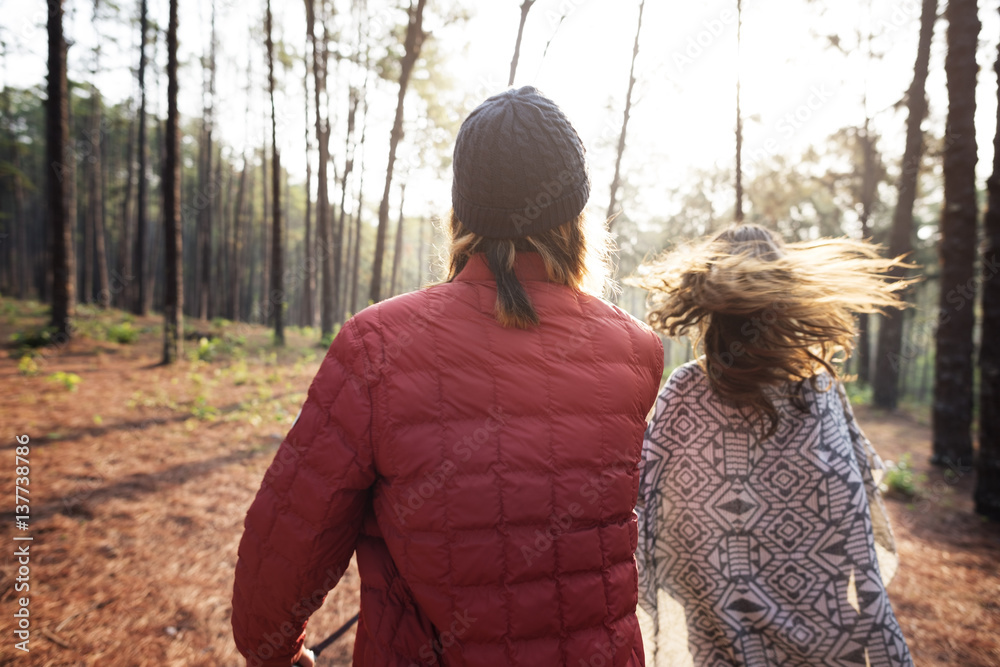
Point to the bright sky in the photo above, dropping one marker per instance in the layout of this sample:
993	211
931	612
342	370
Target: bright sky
796	90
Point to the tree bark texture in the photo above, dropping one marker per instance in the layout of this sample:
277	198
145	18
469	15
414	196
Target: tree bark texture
956	316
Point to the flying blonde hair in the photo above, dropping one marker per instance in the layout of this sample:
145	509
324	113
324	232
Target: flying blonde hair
576	254
764	313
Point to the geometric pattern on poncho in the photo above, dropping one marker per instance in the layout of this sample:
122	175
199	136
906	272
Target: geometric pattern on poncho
764	550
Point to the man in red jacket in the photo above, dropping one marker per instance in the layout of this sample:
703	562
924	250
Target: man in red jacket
475	443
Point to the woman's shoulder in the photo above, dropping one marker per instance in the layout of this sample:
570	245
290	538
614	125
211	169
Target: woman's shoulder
686	381
691	373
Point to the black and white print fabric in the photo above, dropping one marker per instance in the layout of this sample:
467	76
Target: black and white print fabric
755	553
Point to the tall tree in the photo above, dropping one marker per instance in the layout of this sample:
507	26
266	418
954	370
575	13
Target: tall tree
21	245
355	268
525	8
414	41
263	307
616	181
140	305
61	178
987	493
340	231
890	335
207	190
956	317
241	213
356	260
124	292
398	251
320	60
739	113
96	199
173	294
869	184
276	299
97	178
308	285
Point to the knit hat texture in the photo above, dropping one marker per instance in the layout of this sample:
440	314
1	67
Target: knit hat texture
519	167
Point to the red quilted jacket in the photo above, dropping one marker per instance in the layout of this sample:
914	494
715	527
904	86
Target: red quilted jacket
485	477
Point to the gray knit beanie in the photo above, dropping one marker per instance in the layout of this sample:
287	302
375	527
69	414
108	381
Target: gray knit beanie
519	167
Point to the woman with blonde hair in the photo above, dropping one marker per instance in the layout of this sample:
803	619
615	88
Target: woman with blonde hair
475	443
762	536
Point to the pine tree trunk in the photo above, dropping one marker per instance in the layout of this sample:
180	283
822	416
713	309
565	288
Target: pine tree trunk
262	309
276	299
61	179
173	295
890	335
235	273
739	115
97	201
340	231
398	251
420	254
21	228
124	280
987	494
868	186
953	367
414	41
355	273
525	8
308	285
8	239
616	181
89	221
320	59
207	191
140	306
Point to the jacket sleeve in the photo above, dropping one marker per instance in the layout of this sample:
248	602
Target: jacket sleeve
301	530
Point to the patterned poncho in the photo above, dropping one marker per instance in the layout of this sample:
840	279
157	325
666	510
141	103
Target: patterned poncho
771	552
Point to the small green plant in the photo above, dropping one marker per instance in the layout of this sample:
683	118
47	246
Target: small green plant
69	381
200	409
28	366
207	349
33	339
901	479
123	333
234	340
240	372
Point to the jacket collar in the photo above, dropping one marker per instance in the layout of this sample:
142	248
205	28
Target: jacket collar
528	266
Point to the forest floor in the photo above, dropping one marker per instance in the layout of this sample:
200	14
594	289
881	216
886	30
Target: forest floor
140	476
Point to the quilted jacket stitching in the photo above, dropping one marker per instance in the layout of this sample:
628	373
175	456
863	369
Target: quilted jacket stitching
555	547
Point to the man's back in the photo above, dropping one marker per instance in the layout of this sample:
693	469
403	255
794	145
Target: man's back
486	475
